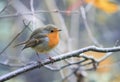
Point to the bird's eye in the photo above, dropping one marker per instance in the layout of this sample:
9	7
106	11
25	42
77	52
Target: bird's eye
52	31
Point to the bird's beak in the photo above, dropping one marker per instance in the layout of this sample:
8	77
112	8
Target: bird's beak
59	30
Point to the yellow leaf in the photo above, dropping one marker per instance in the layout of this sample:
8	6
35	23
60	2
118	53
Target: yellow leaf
104	65
109	7
104	5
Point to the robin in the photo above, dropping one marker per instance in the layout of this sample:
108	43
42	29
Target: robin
43	39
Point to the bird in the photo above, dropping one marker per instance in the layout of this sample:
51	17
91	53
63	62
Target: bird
43	39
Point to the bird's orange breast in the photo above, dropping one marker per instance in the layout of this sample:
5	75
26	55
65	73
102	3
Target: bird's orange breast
53	39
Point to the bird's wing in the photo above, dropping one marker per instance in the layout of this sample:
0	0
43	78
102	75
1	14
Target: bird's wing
36	32
35	40
37	37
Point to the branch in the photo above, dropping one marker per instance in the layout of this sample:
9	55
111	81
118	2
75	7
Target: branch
26	26
75	53
36	12
8	3
90	33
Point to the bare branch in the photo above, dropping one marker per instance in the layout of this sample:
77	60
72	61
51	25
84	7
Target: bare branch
83	13
67	76
26	26
75	53
8	3
69	64
37	12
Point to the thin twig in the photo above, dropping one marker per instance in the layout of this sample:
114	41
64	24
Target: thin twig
8	3
69	64
117	43
37	12
9	65
26	26
31	6
74	71
67	76
83	13
33	12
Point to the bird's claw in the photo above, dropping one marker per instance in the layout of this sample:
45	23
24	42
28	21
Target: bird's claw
51	59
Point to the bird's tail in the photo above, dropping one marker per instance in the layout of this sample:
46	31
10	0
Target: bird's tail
20	44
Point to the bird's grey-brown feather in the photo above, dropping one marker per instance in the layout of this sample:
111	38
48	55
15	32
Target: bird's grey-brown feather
33	43
37	31
37	37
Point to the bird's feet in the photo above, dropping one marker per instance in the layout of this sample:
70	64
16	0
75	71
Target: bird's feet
51	59
40	63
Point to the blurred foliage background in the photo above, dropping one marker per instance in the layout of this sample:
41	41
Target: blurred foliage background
102	17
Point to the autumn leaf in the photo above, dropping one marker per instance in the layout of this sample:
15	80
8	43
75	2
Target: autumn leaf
104	5
103	66
73	6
